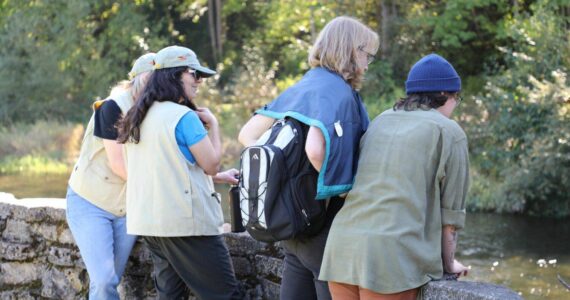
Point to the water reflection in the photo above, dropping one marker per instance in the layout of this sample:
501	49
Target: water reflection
34	185
525	254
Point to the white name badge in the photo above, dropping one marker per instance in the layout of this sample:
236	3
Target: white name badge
338	128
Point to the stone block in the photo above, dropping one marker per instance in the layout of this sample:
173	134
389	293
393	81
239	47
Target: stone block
269	266
16	251
140	262
44	231
137	287
36	215
242	244
17	231
17	295
65	237
138	268
64	283
242	266
254	293
270	289
5	209
79	263
56	215
140	251
466	290
16	273
62	256
20	212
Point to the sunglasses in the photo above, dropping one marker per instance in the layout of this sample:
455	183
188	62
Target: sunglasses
197	75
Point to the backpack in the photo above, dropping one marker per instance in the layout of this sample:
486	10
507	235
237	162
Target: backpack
278	185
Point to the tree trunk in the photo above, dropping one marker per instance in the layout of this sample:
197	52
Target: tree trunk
219	26
312	23
212	29
384	28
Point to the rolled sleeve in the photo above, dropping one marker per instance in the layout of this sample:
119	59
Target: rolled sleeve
455	186
453	217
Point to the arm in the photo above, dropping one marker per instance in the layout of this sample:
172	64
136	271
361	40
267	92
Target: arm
315	147
114	153
229	176
208	151
253	129
454	187
106	116
448	245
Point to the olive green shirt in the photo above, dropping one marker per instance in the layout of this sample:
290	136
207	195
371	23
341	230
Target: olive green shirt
412	179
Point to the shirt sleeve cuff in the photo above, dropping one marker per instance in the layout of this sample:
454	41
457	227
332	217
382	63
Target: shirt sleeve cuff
453	217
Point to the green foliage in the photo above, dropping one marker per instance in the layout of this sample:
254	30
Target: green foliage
290	28
379	90
520	138
58	56
540	181
465	32
484	194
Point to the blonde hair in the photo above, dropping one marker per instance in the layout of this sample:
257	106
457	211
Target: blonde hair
337	45
135	85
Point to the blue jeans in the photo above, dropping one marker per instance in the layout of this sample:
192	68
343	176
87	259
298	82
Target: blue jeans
103	242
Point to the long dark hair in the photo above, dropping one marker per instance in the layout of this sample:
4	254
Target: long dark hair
425	101
163	85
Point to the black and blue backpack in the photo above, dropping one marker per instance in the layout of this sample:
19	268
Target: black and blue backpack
278	185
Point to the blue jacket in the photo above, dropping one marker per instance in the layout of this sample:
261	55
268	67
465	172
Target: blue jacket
325	100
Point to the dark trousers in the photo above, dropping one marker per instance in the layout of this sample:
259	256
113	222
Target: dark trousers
302	264
201	264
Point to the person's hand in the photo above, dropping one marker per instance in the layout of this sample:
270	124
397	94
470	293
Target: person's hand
207	117
229	176
458	268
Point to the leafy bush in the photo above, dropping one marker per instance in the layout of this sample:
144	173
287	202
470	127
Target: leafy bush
540	182
519	140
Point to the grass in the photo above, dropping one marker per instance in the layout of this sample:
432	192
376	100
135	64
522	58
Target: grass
43	147
32	164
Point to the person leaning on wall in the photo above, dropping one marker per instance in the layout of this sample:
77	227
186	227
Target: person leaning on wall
398	227
96	192
326	98
172	149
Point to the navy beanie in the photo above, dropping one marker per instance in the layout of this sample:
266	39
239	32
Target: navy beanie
432	73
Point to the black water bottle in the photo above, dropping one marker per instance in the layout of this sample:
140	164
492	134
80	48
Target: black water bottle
235	210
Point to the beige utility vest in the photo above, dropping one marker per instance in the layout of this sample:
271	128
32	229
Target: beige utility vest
166	195
92	177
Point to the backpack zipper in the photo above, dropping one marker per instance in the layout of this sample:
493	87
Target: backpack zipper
306	217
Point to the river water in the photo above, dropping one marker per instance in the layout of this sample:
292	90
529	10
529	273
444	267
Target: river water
523	253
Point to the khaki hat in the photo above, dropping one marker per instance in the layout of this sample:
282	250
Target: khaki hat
176	56
143	64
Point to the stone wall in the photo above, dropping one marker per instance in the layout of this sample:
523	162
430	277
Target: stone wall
39	259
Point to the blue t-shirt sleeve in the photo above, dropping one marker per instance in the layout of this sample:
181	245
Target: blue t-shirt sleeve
189	131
